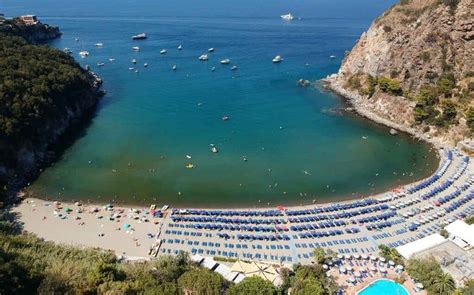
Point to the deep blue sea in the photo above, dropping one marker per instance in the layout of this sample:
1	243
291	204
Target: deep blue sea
298	146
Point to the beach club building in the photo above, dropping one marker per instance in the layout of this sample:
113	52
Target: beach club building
461	233
29	19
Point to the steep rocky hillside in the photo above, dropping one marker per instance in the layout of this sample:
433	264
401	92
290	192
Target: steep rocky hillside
414	67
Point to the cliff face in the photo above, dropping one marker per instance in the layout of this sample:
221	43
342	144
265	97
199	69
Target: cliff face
43	93
35	34
414	66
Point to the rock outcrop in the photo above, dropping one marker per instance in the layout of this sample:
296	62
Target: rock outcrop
35	33
418	47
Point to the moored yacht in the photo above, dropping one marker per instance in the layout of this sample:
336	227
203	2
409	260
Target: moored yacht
136	48
288	16
84	53
277	59
174	67
163	51
211	49
134	61
225	61
203	57
67	50
139	36
180	47
234	68
99	44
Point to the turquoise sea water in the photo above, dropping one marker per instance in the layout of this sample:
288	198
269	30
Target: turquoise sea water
298	146
385	287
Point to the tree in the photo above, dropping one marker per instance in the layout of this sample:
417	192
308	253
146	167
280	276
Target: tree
319	255
470	118
446	83
469	219
169	269
390	86
200	281
443	284
309	286
252	285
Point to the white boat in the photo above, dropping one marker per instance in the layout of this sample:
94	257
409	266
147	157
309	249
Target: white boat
101	64
99	44
180	47
213	69
139	36
188	157
287	17
111	59
203	57
214	150
77	39
332	56
136	48
163	51
131	69
67	50
174	67
234	68
211	49
84	54
145	65
134	61
277	59
225	118
225	61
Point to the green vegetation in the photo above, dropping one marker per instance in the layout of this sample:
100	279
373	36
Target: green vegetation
390	86
354	82
312	279
252	285
446	84
469	219
391	254
429	273
37	84
201	281
319	255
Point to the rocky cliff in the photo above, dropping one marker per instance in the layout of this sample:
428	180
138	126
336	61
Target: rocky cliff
35	34
414	69
43	94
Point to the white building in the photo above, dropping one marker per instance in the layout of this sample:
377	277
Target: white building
418	246
461	233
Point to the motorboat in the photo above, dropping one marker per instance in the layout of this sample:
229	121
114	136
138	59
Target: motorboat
213	69
134	61
136	48
145	65
287	17
84	54
225	118
163	51
180	47
139	36
111	59
332	56
131	69
214	150
76	39
188	157
67	50
210	49
174	67
225	61
101	64
99	44
190	166
277	59
203	57
234	68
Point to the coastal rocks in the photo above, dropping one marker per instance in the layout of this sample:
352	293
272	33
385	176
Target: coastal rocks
393	131
35	33
303	83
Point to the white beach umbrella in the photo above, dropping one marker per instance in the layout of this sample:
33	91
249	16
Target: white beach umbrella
399	267
365	257
391	263
347	256
356	256
325	266
419	285
382	259
342	269
382	269
357	274
373	258
352	279
349	268
340	256
373	268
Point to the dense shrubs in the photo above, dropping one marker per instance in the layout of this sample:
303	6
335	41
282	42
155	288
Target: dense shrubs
429	273
390	86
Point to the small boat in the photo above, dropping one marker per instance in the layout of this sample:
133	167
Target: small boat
188	156
277	59
214	150
332	56
136	71
145	65
364	137
234	68
287	17
139	36
225	118
203	57
180	47
163	51
99	44
134	61
174	67
77	39
111	59
190	166
136	48
84	54
67	50
210	49
225	61
101	64
244	158
213	69
131	69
